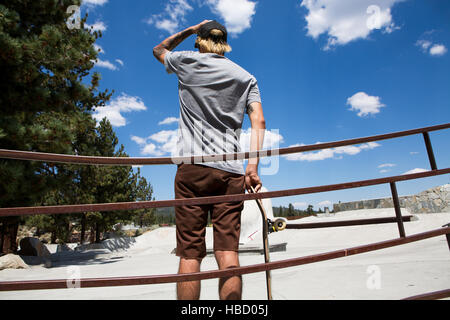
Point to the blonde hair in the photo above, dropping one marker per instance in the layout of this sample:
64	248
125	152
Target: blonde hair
211	45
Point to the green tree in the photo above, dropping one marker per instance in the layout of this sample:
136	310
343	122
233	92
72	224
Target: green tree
143	192
112	183
291	210
43	96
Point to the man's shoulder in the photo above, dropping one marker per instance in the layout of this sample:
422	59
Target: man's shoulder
241	70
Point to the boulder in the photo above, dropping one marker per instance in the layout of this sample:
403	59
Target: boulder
33	247
12	261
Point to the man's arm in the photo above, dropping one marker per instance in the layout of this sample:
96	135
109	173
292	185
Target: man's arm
174	40
255	113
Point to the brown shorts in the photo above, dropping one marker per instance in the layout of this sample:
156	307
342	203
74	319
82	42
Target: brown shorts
202	181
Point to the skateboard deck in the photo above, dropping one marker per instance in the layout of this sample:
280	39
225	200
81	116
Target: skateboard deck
268	227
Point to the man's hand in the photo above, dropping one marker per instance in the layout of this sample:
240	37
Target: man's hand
171	42
252	179
197	27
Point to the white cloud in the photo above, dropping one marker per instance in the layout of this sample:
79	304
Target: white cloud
413	153
169	120
237	14
330	153
167	25
122	104
94	2
139	140
151	150
416	170
158	144
97	26
387	165
173	15
105	64
163	136
99	48
344	21
365	104
424	44
434	49
438	50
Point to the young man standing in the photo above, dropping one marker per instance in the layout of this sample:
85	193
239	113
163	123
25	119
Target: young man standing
214	95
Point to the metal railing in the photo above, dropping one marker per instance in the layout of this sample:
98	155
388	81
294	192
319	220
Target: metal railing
144	280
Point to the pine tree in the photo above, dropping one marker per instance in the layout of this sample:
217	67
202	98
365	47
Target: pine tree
43	96
291	211
143	192
111	184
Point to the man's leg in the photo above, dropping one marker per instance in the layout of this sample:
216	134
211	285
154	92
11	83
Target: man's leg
229	288
191	226
189	290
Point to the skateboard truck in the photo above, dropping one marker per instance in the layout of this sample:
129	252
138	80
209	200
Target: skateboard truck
275	226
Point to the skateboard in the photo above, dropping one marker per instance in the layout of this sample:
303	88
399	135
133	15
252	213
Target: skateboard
269	226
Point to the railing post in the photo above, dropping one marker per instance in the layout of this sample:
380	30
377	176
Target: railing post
426	137
447	235
448	240
398	212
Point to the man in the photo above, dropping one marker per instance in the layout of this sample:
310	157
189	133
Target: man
214	95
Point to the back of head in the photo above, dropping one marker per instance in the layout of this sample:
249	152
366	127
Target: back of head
212	38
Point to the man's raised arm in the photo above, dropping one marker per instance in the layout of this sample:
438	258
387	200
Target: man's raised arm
174	40
255	113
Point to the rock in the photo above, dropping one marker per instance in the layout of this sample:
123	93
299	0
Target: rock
33	247
89	246
12	261
429	201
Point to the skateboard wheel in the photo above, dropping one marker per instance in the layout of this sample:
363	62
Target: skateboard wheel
280	224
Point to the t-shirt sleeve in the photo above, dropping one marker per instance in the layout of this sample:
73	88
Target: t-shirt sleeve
172	61
253	94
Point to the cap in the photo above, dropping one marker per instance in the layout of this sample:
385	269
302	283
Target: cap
205	30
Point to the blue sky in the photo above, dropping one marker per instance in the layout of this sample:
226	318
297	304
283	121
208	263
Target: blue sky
327	70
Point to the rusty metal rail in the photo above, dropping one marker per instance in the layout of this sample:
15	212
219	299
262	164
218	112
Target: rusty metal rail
346	223
118	161
158	279
436	295
65	209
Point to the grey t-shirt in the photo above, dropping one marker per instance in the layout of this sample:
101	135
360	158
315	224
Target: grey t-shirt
214	93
